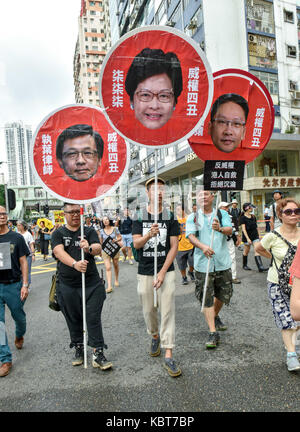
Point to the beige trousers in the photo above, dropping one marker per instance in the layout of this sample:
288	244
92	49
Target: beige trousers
165	303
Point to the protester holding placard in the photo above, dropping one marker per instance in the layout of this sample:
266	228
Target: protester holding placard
13	288
219	289
109	254
145	234
67	244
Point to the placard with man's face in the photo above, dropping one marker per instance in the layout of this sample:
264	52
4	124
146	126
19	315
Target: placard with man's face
241	119
77	155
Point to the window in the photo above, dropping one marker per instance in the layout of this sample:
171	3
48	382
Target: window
94	30
94	39
288	16
272	163
260	16
270	81
262	51
291	51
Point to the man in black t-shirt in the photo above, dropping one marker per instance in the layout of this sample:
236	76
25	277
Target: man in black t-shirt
166	232
13	287
66	245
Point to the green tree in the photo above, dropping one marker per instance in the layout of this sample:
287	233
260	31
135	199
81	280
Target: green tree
2	195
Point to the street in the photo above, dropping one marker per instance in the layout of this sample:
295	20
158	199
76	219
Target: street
246	373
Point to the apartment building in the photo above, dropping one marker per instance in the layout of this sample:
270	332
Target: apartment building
92	44
17	139
259	36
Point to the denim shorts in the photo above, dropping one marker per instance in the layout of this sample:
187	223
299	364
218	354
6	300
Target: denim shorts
219	285
127	239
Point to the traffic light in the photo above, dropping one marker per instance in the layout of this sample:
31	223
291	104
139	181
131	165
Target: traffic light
46	209
37	207
11	197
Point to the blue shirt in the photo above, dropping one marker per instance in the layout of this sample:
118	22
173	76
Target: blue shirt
202	228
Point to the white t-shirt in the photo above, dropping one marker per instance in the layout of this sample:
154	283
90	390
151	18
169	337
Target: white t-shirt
28	239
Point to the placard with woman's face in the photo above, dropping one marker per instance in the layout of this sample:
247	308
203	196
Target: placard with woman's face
241	119
155	86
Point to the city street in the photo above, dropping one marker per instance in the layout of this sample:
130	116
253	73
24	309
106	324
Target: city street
246	373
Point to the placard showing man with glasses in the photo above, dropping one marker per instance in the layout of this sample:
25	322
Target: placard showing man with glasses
227	126
79	150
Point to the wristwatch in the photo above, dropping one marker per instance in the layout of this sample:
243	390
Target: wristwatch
25	285
73	265
221	230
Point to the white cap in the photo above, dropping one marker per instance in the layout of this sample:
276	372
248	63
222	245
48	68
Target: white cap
234	201
224	204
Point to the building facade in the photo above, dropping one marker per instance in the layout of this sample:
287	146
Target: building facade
92	44
18	138
259	36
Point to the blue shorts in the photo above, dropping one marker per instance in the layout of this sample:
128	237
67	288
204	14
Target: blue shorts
127	240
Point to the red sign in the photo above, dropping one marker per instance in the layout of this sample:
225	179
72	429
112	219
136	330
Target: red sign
241	119
155	86
77	155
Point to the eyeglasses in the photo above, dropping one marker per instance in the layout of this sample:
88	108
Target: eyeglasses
3	214
289	212
225	123
164	96
86	154
73	212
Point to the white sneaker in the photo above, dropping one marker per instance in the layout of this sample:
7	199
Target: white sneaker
130	262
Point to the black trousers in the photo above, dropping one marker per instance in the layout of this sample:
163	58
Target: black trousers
70	302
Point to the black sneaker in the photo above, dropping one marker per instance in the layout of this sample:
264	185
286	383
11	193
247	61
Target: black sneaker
192	276
79	355
184	281
155	347
100	361
213	340
220	326
172	368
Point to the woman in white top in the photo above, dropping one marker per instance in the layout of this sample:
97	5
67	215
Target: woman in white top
288	210
110	231
22	228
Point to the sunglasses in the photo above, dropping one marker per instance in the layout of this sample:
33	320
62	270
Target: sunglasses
289	212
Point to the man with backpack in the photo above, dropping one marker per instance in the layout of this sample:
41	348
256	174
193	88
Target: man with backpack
219	287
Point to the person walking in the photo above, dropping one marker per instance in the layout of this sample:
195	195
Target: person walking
185	254
109	230
281	245
44	235
22	228
232	241
165	232
66	245
250	236
295	281
13	288
267	218
125	227
219	286
235	214
275	221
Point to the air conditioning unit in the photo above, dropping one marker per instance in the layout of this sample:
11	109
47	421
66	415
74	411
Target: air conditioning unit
131	172
193	24
252	38
145	170
134	154
296	120
171	23
296	95
292	85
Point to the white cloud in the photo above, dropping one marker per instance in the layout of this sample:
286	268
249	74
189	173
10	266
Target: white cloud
37	42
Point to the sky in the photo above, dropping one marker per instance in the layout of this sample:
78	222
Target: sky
37	43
